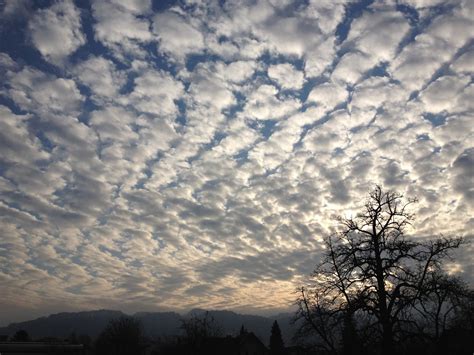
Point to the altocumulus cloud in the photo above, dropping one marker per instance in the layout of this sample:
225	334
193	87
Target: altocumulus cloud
159	155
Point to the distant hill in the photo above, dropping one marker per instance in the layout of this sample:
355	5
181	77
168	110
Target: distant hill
159	324
156	324
63	324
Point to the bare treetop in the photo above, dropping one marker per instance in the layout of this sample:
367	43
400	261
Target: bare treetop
373	270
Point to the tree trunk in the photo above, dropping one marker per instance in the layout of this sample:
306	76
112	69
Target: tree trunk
350	341
387	340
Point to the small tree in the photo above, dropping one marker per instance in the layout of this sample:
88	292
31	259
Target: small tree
198	329
438	305
21	336
122	336
277	346
443	312
372	271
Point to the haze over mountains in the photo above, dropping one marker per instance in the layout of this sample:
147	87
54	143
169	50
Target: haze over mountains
155	324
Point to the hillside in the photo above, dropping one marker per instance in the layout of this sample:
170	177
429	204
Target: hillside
155	324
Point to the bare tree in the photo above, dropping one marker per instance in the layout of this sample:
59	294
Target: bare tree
373	271
442	305
198	329
121	336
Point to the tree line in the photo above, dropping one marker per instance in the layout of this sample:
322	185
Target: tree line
200	335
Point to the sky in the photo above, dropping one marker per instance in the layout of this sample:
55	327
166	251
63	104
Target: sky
170	155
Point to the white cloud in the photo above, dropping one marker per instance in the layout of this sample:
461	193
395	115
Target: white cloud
208	90
331	135
263	104
290	35
328	95
463	166
286	75
155	92
138	7
236	72
263	26
239	137
465	63
6	62
101	76
454	133
374	92
443	94
15	8
351	67
56	31
422	3
382	30
116	24
35	91
436	46
328	14
113	124
17	145
177	36
319	58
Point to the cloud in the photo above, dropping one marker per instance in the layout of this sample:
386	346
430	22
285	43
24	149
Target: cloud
208	90
101	76
16	143
138	7
375	92
263	104
237	71
176	36
56	31
432	48
442	94
118	26
351	67
328	95
36	91
464	167
464	64
13	8
113	124
6	62
155	92
383	30
286	76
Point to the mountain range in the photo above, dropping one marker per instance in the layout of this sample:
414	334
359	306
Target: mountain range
155	324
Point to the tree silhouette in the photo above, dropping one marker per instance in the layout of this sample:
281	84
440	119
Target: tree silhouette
199	329
277	346
370	271
21	336
121	336
438	307
445	310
